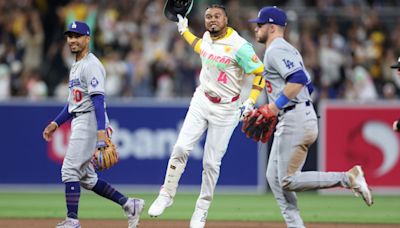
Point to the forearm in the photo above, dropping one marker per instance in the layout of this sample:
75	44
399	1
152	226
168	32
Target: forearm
192	40
257	87
63	116
289	92
98	103
292	89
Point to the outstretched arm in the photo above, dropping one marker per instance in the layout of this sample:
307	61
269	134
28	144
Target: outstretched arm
183	29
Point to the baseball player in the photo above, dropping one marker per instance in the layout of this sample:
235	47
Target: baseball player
215	107
396	123
289	87
86	107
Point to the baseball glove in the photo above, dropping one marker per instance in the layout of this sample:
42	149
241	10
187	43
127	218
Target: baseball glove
174	7
260	124
106	156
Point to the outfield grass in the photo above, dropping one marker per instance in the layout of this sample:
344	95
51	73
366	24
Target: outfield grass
314	207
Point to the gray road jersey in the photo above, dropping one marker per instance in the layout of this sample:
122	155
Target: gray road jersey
281	59
86	78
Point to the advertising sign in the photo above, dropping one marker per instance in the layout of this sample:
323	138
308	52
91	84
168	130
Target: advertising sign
144	133
361	134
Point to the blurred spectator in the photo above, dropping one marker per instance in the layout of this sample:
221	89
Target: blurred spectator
5	82
389	91
35	87
346	45
61	91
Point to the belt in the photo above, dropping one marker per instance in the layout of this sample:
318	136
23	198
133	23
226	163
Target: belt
76	114
291	107
220	100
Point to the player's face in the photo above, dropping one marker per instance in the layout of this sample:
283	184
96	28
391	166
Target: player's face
261	32
77	43
215	20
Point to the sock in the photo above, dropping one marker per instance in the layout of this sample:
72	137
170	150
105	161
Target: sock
72	194
104	189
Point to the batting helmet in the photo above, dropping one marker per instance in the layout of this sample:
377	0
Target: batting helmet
174	7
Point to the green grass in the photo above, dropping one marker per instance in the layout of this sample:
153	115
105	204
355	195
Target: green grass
243	207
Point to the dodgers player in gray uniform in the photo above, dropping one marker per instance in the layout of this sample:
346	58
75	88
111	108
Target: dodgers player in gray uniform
289	87
86	107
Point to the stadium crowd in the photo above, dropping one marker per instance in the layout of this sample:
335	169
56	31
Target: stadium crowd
347	45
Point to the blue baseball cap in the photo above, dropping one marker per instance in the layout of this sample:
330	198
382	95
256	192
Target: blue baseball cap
78	27
272	15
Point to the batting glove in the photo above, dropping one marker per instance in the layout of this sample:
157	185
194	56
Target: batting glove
182	24
246	108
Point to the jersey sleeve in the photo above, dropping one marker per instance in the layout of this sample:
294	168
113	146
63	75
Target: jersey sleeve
95	78
284	61
248	60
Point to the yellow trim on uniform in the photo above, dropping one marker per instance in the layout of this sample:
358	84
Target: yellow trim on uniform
258	85
229	32
193	40
259	70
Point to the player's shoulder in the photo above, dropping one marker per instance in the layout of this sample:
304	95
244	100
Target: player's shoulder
280	46
92	63
236	38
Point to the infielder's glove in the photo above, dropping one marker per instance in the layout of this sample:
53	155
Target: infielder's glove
105	155
260	124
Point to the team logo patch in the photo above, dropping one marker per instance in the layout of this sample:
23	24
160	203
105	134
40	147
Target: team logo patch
94	82
227	49
255	59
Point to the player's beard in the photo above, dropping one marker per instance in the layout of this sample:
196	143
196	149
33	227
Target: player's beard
76	50
262	39
214	30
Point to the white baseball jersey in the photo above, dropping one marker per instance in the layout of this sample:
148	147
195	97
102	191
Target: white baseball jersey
224	62
281	59
86	78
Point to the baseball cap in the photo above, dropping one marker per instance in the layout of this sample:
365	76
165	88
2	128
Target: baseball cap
397	65
78	27
272	15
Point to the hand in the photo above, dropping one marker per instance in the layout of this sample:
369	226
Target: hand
182	24
49	130
396	125
101	139
273	108
246	108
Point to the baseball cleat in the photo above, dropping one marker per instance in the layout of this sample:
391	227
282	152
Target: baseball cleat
199	218
158	206
69	223
133	208
359	185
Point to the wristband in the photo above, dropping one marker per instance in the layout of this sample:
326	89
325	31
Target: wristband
281	101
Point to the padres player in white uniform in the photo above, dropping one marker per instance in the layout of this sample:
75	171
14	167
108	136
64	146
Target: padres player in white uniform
225	57
289	87
86	107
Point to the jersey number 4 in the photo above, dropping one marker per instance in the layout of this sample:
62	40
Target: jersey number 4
77	95
222	78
